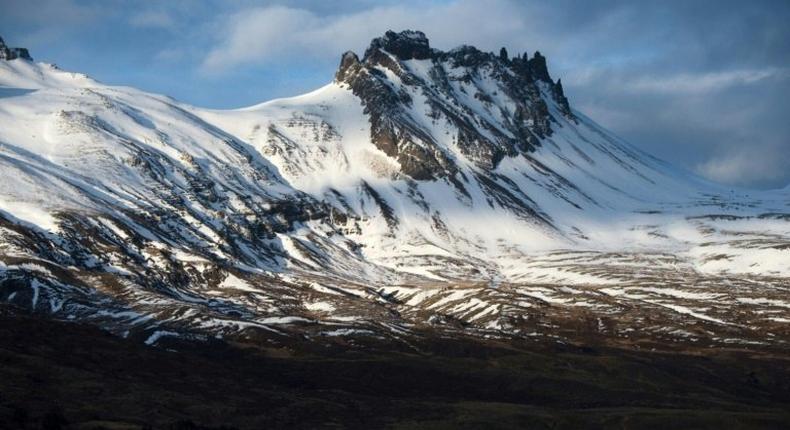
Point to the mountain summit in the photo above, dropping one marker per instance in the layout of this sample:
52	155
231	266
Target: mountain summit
421	190
496	103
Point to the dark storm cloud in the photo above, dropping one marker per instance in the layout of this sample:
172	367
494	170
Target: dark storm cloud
704	84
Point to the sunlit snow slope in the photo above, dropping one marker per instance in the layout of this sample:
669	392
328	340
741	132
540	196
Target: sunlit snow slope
418	186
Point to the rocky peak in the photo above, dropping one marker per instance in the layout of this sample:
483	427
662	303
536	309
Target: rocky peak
467	56
406	45
7	53
349	63
537	65
514	89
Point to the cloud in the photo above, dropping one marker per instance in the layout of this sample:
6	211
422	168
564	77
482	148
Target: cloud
757	167
728	127
702	82
260	34
268	34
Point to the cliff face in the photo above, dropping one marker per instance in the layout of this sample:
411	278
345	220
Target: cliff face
493	104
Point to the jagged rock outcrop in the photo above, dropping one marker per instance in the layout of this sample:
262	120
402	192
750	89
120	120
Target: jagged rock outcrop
7	53
562	101
538	68
457	85
405	45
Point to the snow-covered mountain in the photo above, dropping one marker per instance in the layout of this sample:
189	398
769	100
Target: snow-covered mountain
419	190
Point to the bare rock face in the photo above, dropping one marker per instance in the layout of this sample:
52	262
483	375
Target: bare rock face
393	130
7	53
537	66
562	101
453	86
405	45
349	64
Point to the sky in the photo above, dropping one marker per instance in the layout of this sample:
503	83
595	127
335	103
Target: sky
702	84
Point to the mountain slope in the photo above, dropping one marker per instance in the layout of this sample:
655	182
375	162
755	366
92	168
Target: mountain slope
421	189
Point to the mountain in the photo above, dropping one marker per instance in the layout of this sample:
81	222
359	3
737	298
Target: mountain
420	191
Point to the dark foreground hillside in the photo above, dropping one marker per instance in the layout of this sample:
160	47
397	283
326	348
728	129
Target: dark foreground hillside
64	375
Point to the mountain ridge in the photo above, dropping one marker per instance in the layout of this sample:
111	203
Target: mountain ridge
367	79
420	190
